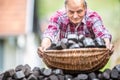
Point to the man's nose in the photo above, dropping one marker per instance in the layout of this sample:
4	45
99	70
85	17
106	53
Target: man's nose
75	15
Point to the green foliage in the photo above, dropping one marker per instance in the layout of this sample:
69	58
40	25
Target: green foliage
106	66
109	10
45	7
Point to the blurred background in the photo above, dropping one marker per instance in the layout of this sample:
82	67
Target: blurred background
22	23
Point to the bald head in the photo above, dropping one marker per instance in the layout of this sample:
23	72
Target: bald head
76	1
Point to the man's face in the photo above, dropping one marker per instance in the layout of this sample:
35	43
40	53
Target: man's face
75	11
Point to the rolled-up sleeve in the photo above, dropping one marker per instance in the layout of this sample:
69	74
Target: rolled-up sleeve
50	32
53	28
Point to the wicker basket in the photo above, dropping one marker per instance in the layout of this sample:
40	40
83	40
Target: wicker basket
83	59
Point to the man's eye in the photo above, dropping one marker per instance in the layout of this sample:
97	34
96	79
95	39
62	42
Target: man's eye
79	11
71	12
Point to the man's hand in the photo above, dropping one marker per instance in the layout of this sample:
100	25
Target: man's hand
109	45
40	51
46	42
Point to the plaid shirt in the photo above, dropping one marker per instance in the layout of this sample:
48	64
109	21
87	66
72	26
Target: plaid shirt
60	26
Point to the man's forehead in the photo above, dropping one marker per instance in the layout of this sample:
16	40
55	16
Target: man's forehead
75	5
76	1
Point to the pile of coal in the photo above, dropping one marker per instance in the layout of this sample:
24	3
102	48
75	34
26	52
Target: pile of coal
24	72
74	41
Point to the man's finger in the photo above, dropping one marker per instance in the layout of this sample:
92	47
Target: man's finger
40	52
111	49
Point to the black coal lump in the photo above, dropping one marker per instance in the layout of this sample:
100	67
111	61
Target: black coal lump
58	72
1	76
19	75
53	77
46	78
80	45
117	67
119	77
114	74
68	77
40	77
95	79
73	37
64	43
19	68
100	76
41	70
99	42
32	77
74	46
24	79
92	75
82	77
106	75
27	66
36	71
88	42
58	46
47	72
28	70
70	42
81	38
61	77
9	73
9	78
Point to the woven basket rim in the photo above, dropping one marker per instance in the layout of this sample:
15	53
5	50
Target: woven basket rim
77	49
